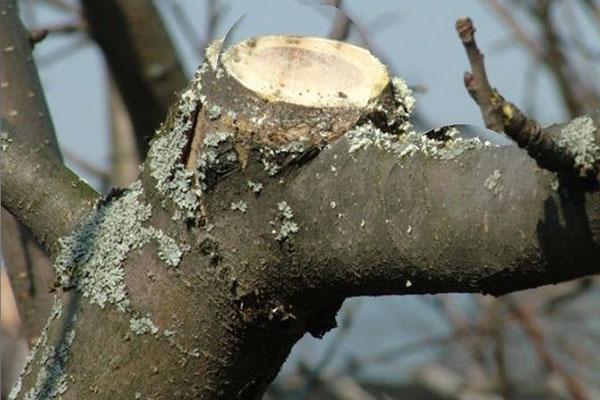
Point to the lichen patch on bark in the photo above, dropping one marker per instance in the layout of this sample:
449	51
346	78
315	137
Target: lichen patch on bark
50	360
579	139
91	259
405	144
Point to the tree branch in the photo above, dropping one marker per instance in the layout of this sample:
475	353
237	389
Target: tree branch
36	187
40	191
22	99
570	151
142	61
385	226
30	272
341	26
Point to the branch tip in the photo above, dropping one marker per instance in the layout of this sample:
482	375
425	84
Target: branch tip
36	36
466	29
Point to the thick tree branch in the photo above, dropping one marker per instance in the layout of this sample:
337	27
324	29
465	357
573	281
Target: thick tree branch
30	272
198	281
490	222
40	191
142	60
36	187
22	101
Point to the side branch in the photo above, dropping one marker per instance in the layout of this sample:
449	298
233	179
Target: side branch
36	187
39	190
564	152
489	221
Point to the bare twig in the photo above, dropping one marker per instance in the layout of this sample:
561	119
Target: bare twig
36	36
489	100
341	26
535	334
575	95
498	333
503	116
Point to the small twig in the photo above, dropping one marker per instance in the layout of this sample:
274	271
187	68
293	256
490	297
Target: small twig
39	34
489	100
498	334
36	36
580	288
494	109
341	26
574	94
503	116
535	334
519	33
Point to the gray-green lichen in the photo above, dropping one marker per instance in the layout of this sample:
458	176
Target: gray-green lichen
91	259
555	183
239	206
494	182
142	325
50	360
578	139
274	158
287	227
5	140
403	106
173	181
410	143
405	101
214	112
256	187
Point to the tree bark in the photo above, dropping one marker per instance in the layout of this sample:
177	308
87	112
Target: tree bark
262	206
29	157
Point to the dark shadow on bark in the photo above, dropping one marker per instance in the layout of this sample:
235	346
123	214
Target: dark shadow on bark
57	365
564	234
26	241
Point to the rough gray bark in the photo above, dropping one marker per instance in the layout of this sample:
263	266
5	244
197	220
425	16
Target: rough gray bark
23	105
30	273
197	281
